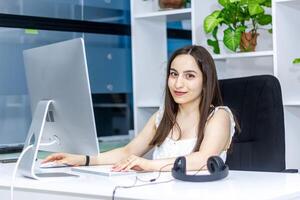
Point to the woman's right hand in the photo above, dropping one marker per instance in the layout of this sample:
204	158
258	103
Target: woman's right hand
65	158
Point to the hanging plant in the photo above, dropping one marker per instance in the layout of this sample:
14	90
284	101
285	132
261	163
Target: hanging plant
241	19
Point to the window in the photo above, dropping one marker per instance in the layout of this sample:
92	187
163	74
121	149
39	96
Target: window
105	27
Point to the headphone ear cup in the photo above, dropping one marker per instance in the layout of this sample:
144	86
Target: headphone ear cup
215	164
180	164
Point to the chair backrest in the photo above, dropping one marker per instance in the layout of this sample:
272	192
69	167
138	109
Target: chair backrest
256	102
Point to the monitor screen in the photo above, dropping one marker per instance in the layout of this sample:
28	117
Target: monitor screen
58	73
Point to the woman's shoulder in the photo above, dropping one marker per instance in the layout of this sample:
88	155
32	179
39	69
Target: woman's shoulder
220	111
151	122
158	115
153	118
155	115
222	114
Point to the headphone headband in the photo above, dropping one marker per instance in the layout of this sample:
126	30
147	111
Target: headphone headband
218	170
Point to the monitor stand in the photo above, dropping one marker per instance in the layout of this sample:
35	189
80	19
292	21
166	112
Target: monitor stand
27	162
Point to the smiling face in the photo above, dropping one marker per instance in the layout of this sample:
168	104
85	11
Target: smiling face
185	80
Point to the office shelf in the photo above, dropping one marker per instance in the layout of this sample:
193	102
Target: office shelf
172	15
292	104
243	55
287	1
111	105
148	105
291	3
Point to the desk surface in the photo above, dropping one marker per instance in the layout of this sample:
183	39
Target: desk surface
238	185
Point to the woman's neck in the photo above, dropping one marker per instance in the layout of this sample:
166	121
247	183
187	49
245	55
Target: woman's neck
188	119
189	108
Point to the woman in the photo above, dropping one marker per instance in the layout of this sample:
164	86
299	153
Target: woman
193	122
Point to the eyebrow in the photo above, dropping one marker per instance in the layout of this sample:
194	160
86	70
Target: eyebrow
187	71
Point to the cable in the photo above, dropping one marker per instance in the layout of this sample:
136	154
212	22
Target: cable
199	170
18	163
134	185
50	143
141	185
151	181
117	187
137	178
159	173
15	171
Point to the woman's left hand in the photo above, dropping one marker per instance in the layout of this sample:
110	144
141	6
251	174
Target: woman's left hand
133	162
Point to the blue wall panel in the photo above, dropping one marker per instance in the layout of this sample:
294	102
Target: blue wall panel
109	69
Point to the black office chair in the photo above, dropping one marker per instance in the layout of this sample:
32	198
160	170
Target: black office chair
256	102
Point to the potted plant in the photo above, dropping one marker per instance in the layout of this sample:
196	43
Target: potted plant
296	61
241	20
171	4
174	4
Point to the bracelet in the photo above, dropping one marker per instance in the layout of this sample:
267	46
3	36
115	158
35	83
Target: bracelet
87	160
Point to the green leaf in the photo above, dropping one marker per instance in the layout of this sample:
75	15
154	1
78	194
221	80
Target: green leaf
211	21
216	13
296	61
264	19
270	30
229	14
232	39
254	1
259	1
215	45
224	3
267	3
214	33
241	29
255	9
233	1
244	2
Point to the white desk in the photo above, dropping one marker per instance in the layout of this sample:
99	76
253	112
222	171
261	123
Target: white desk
238	185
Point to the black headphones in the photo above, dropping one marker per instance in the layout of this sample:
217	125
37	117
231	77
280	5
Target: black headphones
215	165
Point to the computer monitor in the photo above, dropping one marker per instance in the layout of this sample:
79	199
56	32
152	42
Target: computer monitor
61	103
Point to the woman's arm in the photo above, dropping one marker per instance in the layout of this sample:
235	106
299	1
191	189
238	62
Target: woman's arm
138	146
216	139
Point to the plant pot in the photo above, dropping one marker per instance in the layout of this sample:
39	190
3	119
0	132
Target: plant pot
171	4
248	41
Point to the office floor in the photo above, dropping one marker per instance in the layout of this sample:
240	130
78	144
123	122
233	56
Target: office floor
104	146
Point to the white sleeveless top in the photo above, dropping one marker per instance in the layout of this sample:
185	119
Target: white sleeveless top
174	148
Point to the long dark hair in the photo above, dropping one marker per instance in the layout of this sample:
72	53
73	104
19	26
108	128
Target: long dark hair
210	95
